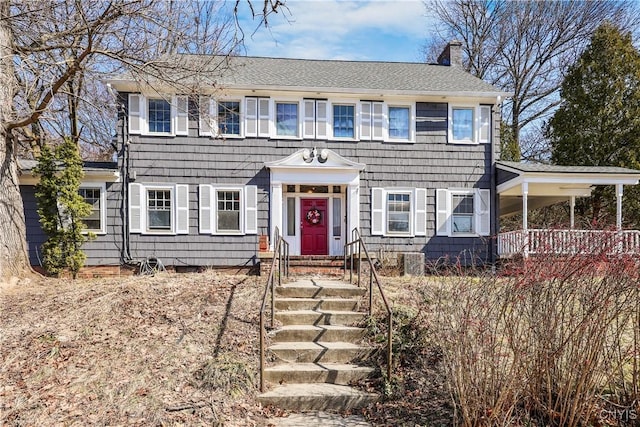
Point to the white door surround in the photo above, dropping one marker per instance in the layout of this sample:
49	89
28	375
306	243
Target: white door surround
310	167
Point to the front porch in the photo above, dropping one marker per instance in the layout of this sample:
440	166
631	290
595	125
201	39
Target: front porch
568	242
523	186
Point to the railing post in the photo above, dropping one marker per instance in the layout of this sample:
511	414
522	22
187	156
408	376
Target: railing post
351	264
389	345
273	303
370	290
279	265
359	259
262	357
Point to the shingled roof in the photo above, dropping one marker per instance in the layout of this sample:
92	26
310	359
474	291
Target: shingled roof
247	72
544	168
362	75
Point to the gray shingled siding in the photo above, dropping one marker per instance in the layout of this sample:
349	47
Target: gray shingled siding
429	163
104	250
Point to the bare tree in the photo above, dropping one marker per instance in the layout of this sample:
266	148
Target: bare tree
50	50
523	47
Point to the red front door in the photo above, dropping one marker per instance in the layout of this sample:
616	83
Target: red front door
314	226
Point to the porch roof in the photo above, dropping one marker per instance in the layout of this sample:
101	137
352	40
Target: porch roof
549	184
94	171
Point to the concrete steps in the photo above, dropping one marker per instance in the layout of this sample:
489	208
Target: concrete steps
318	333
317	349
317	397
300	373
318	352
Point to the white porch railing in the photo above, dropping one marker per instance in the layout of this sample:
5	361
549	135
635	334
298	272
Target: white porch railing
568	242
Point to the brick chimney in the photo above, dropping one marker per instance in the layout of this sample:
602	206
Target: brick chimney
452	54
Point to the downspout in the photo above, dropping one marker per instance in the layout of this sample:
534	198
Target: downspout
124	172
494	209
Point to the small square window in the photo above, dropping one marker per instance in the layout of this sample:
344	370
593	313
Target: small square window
159	116
398	213
399	122
343	119
462	216
229	118
287	119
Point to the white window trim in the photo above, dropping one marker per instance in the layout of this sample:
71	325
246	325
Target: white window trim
214	109
146	119
145	193
103	207
241	224
412	210
356	106
144	227
476	123
415	213
212	227
143	114
412	122
317	122
446	212
274	124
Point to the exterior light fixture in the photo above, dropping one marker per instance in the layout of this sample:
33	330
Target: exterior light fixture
309	155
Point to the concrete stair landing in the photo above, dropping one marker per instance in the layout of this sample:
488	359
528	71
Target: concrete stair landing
317	348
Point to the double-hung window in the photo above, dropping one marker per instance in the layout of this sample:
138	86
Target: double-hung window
228	213
154	115
159	116
470	124
228	118
399	123
158	208
343	121
94	196
287	119
463	212
399	212
227	209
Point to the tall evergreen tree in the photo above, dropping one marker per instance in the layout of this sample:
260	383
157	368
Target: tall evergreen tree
598	121
61	208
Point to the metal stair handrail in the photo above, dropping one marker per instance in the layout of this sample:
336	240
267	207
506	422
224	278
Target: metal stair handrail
357	247
281	257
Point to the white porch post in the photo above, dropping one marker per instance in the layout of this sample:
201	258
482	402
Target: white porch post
353	205
619	206
572	203
525	220
276	211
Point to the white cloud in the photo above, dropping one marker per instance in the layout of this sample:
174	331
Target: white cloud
334	29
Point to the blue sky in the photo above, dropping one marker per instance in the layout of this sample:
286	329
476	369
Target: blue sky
380	30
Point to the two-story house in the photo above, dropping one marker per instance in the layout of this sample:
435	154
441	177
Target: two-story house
404	152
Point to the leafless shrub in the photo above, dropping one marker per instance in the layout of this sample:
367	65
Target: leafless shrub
544	345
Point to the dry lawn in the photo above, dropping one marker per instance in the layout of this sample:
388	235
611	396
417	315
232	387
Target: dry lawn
180	349
164	350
